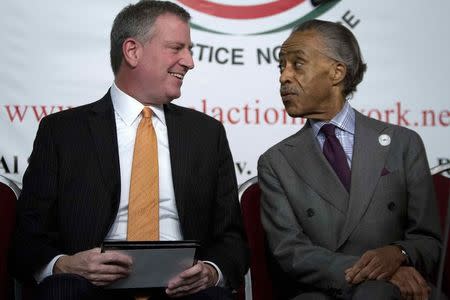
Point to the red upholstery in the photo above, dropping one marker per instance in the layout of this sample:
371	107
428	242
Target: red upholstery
442	187
7	223
261	283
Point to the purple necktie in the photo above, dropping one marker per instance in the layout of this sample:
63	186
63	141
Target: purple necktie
333	151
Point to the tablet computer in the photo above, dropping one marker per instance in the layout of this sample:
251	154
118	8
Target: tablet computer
154	263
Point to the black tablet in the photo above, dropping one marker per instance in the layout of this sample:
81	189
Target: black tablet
154	263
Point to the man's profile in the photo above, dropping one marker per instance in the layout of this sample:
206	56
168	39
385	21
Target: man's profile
347	202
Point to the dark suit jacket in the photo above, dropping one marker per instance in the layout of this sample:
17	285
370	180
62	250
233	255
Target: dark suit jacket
316	229
71	188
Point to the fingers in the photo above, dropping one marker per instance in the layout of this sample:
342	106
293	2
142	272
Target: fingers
188	276
418	288
353	275
186	289
420	280
382	276
116	258
194	279
422	290
370	271
411	284
378	264
404	287
99	268
111	269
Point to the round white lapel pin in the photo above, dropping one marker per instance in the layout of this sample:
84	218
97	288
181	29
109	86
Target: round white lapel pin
384	140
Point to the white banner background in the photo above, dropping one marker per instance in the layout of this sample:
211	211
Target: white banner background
55	55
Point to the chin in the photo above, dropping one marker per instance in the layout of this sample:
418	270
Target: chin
293	112
172	96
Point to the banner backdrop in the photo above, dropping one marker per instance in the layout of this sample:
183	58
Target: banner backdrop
55	55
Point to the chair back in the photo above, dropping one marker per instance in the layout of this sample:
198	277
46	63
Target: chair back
9	192
441	180
258	282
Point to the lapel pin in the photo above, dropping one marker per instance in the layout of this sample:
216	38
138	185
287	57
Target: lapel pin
384	140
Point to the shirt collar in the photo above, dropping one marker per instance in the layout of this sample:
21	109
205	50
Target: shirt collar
129	108
344	120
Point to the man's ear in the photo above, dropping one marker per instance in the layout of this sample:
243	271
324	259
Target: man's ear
338	72
131	50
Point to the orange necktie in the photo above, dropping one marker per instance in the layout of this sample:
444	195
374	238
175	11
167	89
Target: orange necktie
143	202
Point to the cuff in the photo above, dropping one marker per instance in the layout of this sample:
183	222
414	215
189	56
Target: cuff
407	261
221	280
46	271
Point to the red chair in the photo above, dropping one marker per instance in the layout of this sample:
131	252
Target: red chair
9	192
258	282
441	181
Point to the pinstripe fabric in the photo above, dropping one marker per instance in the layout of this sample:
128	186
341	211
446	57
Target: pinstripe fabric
143	203
345	130
75	287
71	188
67	287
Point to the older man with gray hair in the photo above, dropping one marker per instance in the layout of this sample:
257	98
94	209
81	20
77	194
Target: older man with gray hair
347	202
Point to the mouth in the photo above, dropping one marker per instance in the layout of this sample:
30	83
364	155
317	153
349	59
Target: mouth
180	76
287	92
287	96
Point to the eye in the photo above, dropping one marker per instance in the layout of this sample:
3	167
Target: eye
298	65
176	48
281	67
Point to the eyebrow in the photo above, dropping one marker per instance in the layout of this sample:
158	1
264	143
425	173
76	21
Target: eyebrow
171	43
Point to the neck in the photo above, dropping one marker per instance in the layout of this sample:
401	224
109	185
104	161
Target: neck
124	82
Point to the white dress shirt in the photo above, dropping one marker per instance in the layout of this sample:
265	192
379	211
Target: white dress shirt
128	115
127	112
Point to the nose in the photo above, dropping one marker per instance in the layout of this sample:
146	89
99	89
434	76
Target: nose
286	74
187	60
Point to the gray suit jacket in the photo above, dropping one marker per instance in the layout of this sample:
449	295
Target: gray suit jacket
316	229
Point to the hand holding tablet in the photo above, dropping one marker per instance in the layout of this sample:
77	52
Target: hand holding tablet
154	263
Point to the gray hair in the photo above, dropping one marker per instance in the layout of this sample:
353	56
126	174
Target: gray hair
136	21
340	45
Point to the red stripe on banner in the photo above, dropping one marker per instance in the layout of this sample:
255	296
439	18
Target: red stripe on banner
241	12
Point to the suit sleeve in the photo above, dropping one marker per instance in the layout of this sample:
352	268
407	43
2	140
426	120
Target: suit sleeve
306	263
35	236
229	247
422	234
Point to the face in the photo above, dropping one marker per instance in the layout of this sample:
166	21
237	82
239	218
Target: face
164	60
308	78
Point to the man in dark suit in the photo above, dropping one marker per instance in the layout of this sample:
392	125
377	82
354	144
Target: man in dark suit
347	202
77	186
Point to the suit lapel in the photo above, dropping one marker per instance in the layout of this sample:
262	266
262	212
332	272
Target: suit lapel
304	155
178	141
367	164
103	131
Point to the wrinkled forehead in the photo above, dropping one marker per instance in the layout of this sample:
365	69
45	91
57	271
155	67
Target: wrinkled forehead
302	42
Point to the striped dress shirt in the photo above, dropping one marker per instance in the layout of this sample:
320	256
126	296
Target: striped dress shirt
345	130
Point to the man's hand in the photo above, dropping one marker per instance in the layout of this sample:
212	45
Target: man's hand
411	283
99	268
376	264
196	278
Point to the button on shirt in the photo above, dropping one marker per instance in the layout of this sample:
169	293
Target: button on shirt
345	130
